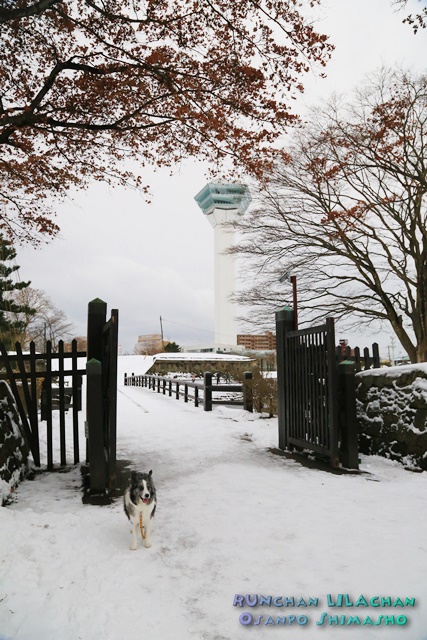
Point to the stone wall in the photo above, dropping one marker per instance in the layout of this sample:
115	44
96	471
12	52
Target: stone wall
392	413
13	446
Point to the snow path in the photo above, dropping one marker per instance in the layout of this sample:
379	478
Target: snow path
232	519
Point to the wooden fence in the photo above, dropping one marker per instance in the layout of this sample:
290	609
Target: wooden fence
51	373
201	391
361	362
25	371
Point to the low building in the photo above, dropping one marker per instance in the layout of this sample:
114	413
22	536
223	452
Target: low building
210	347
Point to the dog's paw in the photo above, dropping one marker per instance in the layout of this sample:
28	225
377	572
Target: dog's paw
133	547
147	544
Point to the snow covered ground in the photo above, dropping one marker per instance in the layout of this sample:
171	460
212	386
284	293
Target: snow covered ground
232	519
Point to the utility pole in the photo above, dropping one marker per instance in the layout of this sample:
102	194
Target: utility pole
286	277
295	300
161	332
392	351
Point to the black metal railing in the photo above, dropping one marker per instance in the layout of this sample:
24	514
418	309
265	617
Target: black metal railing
197	392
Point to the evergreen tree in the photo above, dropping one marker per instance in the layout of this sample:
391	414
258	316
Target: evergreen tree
172	347
10	327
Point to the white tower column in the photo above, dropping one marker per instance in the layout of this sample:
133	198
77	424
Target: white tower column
223	203
224	278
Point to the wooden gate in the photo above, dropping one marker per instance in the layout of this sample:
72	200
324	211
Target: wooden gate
53	381
317	410
45	384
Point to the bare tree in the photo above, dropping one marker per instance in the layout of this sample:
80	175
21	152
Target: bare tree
346	212
46	322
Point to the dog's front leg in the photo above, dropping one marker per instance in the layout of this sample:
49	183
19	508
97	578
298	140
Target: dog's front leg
134	544
147	541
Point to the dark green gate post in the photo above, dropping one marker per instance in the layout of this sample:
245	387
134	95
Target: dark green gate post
332	386
96	319
248	398
95	427
347	415
285	321
207	396
111	383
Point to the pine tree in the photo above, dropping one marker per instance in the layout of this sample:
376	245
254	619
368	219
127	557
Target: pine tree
10	327
172	347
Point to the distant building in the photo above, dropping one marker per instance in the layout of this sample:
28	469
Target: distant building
258	342
213	348
81	344
150	343
344	349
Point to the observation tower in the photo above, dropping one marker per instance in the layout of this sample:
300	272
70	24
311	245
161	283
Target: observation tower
222	203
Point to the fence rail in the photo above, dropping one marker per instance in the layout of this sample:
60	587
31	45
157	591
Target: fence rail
181	388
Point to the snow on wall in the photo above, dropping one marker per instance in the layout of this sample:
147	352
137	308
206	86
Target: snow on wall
139	365
13	447
392	413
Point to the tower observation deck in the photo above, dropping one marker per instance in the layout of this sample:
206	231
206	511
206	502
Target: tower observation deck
221	203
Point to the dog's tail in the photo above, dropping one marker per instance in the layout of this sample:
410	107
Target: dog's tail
125	507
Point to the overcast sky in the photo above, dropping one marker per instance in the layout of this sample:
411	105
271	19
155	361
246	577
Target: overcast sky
152	260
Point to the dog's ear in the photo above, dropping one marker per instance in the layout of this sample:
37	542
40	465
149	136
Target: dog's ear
133	476
150	472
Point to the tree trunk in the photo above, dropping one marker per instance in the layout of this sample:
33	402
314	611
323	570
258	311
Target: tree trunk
421	352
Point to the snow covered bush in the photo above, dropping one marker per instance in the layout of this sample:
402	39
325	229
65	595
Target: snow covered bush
13	446
392	413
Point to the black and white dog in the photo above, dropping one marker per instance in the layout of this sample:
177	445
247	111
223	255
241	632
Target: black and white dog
140	505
